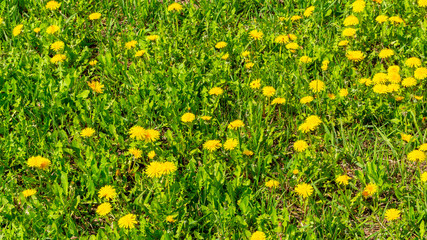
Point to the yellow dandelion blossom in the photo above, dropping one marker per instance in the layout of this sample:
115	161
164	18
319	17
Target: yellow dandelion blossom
300	145
231	144
295	18
281	39
422	3
386	53
305	59
245	53
52	29
395	19
424	177
423	147
135	152
107	192
394	77
140	53
405	137
175	7
170	219
304	190
355	56
380	88
258	235
342	179
212	145
351	21
317	86
268	91
137	132
343	92
325	64
343	43
370	190
295	171
306	99
153	37
216	91
226	56
131	44
87	132
358	6
58	58
381	19
95	16
380	78
256	84
151	135
17	30
272	184
392	214
220	45
249	65
128	221
413	62
103	209
206	118
96	86
256	35
52	5
37	30
188	117
278	101
309	11
420	73
29	192
349	32
417	155
248	152
292	46
236	124
93	62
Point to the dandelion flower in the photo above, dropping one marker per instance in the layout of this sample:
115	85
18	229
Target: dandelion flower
231	144
325	64
188	117
135	152
96	86
248	152
151	154
342	179
308	11
87	132
351	21
38	162
137	132
103	209
272	184
216	91
310	124
343	43
52	29
58	58
406	137
343	92
295	18
422	3
300	145
395	20
258	235
151	135
256	35
380	78
128	221
107	192
220	45
29	192
424	177
381	19
386	53
170	219
423	147
93	62
413	62
278	101
140	53
249	65
52	5
358	6
256	84
304	190
292	46
131	44
392	214
212	145
56	46
152	37
175	7
420	73
268	91
394	77
370	190
158	169
317	86
206	118
94	16
236	124
417	155
245	53
355	56
295	171
380	88
168	168
306	99
281	39
37	30
305	59
349	32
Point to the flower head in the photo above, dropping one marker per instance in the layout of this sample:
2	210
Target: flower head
308	11
131	44
395	19
306	99
248	152
317	86
268	91
151	154
206	118
386	53
188	117
135	152
220	45
256	35
351	21
358	6
424	177
300	145
342	179
157	169
52	5
413	62
256	84
17	30
236	124
349	32
292	46
38	162
29	192
406	137
231	144
370	190
423	147
58	58
417	155
170	219
128	221
258	235
96	86
87	132
355	56
216	91
278	101
103	209
94	16
56	46
420	73
343	92
212	145
381	18
175	7
52	29
272	184
107	192
305	59
139	53
422	3
281	39
152	37
304	190
392	214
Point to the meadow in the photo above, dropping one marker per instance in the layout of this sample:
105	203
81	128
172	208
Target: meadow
219	119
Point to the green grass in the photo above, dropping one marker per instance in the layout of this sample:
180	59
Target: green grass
221	194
